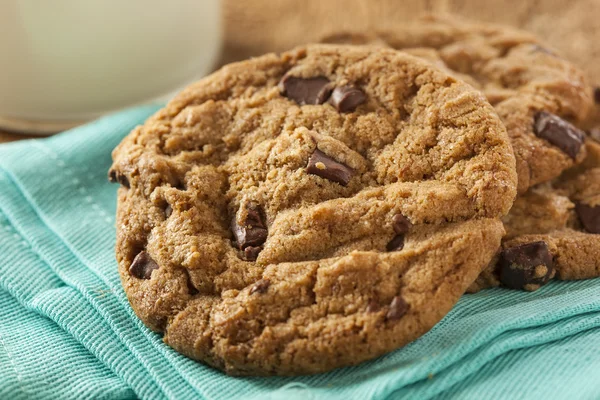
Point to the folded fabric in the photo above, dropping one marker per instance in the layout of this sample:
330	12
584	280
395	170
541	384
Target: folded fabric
33	347
69	332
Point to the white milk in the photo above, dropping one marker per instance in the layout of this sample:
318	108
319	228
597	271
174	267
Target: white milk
72	60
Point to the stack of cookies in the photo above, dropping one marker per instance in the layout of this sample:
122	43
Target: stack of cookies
295	213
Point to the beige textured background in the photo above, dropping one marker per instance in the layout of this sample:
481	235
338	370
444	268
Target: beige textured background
257	26
253	27
570	26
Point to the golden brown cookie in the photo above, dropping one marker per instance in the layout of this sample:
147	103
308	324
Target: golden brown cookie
300	212
552	230
536	93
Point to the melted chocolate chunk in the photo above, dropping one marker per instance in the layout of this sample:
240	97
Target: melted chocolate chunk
142	266
559	132
322	165
260	286
589	216
305	90
398	307
251	252
401	224
373	306
396	244
251	233
526	266
347	98
597	95
115	176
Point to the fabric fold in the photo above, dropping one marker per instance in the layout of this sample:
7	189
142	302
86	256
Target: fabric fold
70	371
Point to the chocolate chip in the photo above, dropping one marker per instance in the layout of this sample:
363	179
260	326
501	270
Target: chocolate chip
589	216
396	244
373	306
526	266
401	224
305	90
322	165
142	266
597	95
251	233
115	176
253	215
260	286
559	132
251	252
398	308
347	98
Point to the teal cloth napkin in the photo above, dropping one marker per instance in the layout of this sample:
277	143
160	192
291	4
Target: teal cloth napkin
67	329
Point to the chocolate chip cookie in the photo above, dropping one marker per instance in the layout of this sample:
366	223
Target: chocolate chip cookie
552	231
537	93
300	212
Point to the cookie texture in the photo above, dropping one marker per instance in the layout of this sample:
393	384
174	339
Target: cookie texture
569	27
300	212
538	94
563	217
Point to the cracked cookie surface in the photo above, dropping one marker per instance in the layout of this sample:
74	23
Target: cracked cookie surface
563	219
522	79
300	212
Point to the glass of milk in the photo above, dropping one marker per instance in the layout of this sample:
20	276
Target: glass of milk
63	62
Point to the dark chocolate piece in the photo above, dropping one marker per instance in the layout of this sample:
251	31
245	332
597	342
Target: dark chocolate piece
398	308
396	244
251	252
401	224
115	176
347	98
589	217
142	266
373	306
559	132
305	90
526	266
260	286
251	233
322	165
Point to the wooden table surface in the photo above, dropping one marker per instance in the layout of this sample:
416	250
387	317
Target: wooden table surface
10	137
